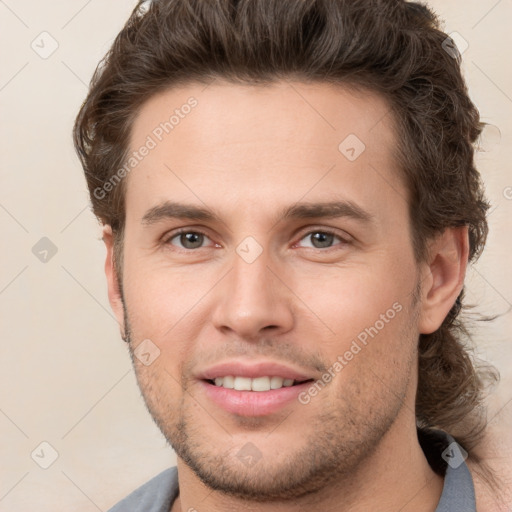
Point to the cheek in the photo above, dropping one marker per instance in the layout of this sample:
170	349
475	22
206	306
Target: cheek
349	300
170	307
159	297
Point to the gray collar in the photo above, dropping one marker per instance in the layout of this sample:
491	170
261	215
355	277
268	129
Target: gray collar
458	491
443	453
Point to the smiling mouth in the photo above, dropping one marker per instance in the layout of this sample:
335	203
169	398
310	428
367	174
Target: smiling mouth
257	384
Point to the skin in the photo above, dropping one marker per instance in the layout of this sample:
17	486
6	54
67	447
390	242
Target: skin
246	153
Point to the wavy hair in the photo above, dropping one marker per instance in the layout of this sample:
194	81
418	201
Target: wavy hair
390	47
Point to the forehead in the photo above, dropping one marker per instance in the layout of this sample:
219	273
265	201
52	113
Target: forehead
227	112
246	143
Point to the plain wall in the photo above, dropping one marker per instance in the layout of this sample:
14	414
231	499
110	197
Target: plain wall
66	376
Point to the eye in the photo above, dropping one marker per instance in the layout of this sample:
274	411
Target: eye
321	239
188	239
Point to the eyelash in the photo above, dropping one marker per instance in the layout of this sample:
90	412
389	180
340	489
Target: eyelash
324	231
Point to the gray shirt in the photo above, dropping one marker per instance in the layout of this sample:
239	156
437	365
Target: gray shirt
458	494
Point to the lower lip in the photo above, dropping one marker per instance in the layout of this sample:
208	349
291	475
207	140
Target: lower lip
253	403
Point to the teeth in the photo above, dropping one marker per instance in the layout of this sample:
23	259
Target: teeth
242	384
276	383
229	382
256	384
261	384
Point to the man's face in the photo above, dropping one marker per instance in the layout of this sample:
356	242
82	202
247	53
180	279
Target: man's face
251	288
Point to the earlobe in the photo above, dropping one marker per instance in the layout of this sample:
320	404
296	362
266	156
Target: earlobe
114	291
444	277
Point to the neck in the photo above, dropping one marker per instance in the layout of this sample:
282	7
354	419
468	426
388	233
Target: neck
395	477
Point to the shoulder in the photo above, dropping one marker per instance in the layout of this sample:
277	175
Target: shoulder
156	495
492	473
490	498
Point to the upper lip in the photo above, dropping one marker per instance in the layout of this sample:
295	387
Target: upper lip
252	370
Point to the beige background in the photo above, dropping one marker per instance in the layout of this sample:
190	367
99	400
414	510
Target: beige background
66	377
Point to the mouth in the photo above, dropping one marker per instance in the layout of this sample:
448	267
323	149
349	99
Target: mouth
257	384
253	397
253	388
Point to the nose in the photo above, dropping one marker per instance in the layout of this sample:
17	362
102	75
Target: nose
253	301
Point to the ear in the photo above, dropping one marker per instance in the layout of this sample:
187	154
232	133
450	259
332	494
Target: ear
114	292
443	277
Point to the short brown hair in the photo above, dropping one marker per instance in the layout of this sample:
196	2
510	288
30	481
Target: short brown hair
391	47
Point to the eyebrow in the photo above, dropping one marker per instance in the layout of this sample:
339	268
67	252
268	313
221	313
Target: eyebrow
333	209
